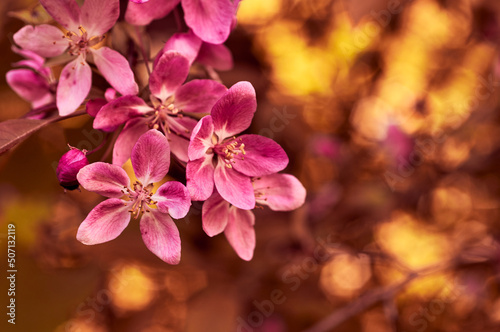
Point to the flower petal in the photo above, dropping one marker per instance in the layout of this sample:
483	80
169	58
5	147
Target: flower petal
98	16
104	223
210	20
144	13
119	111
182	125
234	111
263	156
173	198
281	192
125	142
215	214
44	40
170	72
65	12
105	179
74	86
200	177
116	70
240	232
36	61
201	138
186	43
218	57
198	96
179	146
31	64
151	157
161	236
234	187
28	84
93	106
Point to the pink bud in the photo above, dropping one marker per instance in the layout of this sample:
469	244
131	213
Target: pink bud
69	165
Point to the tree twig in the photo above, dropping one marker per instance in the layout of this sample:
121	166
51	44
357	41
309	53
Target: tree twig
373	297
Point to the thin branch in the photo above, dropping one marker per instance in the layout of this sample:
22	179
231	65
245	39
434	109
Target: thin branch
39	110
391	312
78	112
373	297
364	302
100	145
111	145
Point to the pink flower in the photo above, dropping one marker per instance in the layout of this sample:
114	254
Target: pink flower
150	161
217	156
35	82
281	192
169	103
85	27
211	20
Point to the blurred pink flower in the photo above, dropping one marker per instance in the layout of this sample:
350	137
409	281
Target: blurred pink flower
150	161
325	146
85	27
397	143
35	82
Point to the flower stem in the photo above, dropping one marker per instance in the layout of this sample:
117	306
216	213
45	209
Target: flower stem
105	140
78	112
110	146
143	51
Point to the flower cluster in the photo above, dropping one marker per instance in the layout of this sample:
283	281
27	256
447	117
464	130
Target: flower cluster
177	110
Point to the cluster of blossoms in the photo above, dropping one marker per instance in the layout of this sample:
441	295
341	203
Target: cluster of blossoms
198	120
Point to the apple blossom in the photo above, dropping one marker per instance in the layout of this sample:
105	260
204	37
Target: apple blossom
150	161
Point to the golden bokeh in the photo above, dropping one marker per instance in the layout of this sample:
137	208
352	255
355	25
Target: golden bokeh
345	275
131	287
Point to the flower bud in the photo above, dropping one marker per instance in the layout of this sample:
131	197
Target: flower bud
69	165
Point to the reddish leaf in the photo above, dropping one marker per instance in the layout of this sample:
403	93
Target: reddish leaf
13	132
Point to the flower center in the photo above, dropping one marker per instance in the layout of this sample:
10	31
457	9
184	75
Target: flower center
162	112
79	42
230	150
140	198
159	120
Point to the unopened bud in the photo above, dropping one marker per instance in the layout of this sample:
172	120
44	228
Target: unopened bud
69	165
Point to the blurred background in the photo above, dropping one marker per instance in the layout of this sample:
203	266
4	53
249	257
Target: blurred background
389	112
